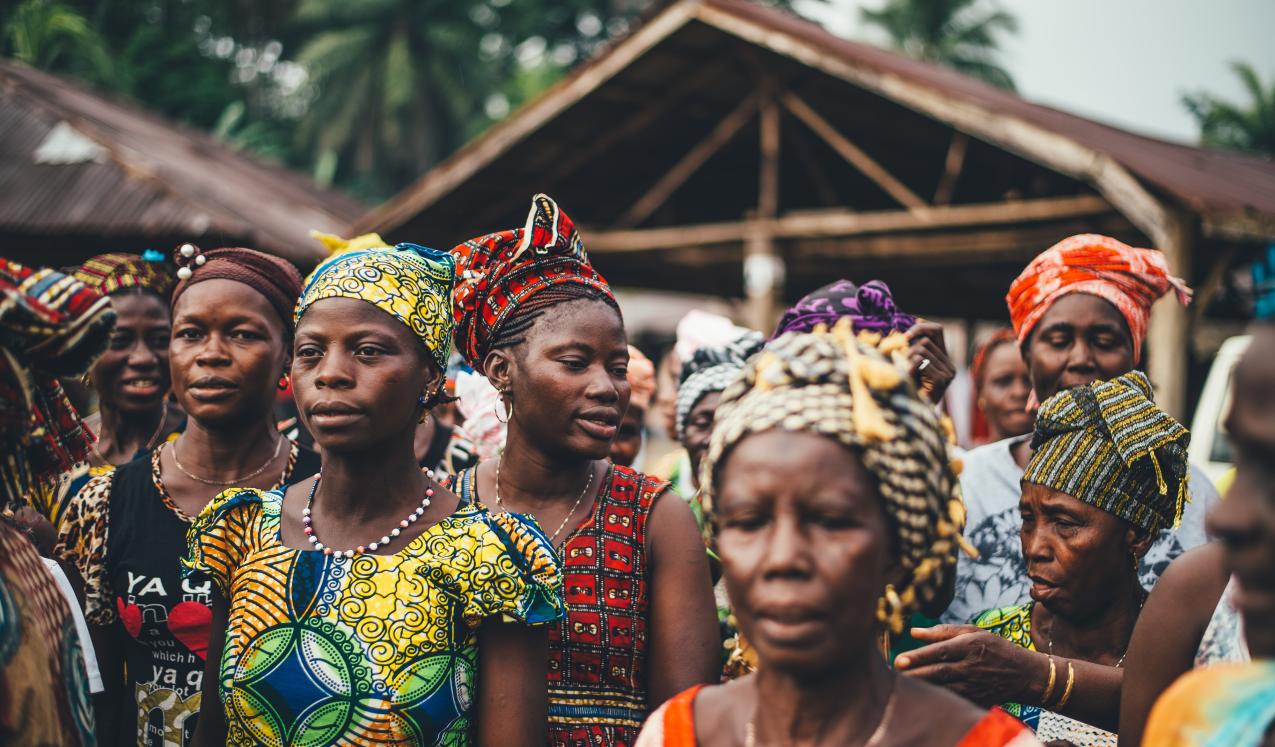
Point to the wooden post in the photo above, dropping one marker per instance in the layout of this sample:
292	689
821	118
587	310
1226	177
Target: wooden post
763	267
1169	332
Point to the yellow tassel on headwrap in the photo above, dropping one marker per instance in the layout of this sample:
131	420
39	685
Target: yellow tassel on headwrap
335	244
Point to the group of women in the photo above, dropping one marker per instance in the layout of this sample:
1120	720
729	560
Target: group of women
242	590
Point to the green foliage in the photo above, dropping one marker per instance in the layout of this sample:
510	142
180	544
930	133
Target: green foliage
956	33
53	36
1248	127
365	95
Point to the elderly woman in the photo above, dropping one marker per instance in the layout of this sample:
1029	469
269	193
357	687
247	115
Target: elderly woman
837	515
538	320
126	530
367	605
1080	312
1233	705
1108	473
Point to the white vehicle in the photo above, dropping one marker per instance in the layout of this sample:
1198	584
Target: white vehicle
1210	449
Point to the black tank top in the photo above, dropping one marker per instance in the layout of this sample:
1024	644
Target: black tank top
162	619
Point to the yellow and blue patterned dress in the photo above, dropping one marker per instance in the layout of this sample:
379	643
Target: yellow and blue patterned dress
1014	624
374	649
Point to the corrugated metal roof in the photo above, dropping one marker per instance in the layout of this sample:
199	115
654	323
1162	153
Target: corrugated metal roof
150	177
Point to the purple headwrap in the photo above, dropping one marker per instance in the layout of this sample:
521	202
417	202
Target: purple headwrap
870	306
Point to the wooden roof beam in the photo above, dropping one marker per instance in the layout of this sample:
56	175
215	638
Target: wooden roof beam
1031	141
952	167
675	177
831	223
631	126
853	154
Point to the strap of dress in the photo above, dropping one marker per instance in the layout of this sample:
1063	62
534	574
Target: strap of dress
679	719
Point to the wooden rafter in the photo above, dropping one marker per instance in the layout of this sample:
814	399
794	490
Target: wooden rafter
853	154
952	167
829	223
676	176
644	118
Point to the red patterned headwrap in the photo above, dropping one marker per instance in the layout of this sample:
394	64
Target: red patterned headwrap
272	277
1130	279
503	274
51	325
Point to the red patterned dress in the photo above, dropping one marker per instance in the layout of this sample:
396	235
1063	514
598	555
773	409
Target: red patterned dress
597	653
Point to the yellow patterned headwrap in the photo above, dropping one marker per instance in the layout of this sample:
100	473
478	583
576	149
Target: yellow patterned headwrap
411	283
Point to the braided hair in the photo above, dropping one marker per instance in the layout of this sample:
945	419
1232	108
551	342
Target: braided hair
856	390
512	330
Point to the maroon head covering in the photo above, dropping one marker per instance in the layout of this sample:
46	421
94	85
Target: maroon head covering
272	277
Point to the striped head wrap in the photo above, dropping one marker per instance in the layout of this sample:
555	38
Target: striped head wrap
1129	279
274	278
856	390
116	271
712	369
505	275
1109	445
51	325
411	283
869	306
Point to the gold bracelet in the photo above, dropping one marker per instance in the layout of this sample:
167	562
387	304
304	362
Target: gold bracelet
1049	688
1071	680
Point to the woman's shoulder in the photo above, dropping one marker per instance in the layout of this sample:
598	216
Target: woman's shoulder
673	723
239	503
624	479
939	716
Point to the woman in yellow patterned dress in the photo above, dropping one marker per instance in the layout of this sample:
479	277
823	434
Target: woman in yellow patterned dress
366	606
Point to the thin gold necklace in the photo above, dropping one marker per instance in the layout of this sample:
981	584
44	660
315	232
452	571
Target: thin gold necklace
553	538
234	481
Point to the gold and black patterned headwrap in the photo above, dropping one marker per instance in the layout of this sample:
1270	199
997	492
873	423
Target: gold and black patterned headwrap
1109	445
857	390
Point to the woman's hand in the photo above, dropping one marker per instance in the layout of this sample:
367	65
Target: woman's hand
976	664
927	343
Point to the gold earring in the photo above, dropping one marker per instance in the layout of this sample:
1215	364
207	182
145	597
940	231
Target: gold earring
507	406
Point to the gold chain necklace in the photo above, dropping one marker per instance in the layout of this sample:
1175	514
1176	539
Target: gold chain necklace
553	538
234	481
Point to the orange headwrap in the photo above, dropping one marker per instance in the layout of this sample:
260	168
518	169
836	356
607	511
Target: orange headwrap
641	378
1128	278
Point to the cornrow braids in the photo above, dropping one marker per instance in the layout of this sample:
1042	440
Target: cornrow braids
857	390
512	330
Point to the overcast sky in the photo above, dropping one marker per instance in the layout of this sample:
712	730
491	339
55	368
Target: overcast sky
1126	62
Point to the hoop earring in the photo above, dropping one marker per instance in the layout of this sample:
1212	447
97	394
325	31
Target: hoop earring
508	407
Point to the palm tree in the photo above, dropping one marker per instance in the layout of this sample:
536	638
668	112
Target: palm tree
954	33
1248	128
395	82
52	36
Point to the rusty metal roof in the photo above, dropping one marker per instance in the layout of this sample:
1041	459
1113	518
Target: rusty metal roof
76	163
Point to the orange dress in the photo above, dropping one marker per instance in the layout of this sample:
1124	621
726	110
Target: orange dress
673	725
